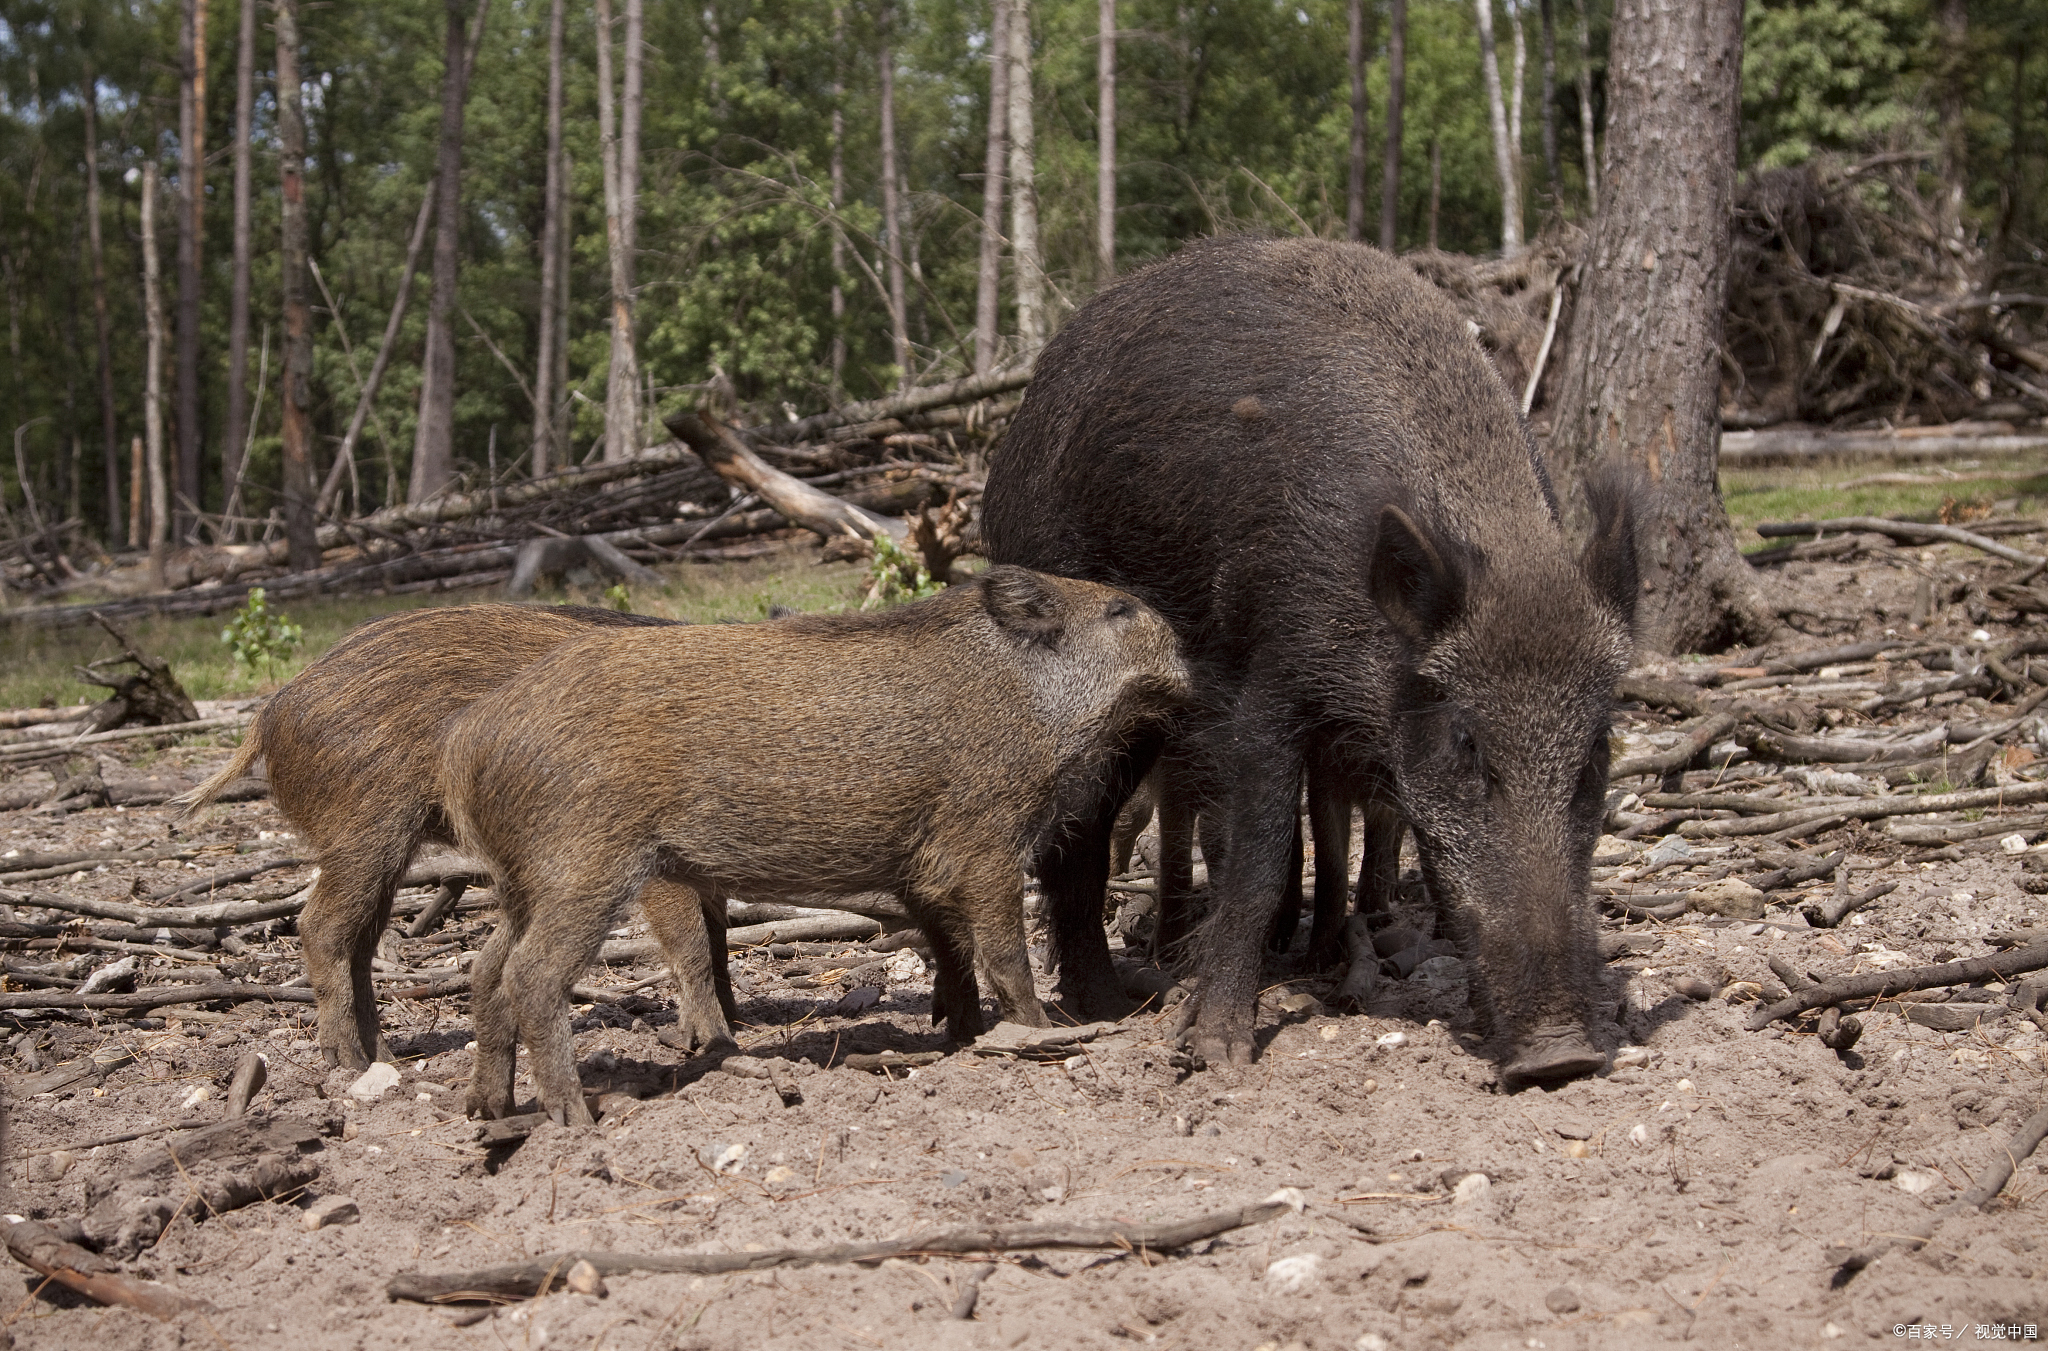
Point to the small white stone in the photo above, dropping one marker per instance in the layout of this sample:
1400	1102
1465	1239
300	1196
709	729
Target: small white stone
1327	1033
1830	1331
904	965
1633	1057
730	1158
1291	1197
197	1096
1913	1182
1980	635
2014	844
1291	1275
373	1083
780	1175
1639	1134
1388	1041
1471	1188
329	1211
1370	1341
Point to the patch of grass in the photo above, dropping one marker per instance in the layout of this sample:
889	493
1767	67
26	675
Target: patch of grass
1808	493
36	664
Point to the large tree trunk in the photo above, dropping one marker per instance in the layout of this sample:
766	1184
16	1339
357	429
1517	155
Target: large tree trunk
296	369
1642	380
544	394
1105	143
1031	325
622	384
988	302
192	192
153	378
238	303
1550	102
433	446
1589	156
1503	149
1397	84
892	209
838	191
102	321
1354	197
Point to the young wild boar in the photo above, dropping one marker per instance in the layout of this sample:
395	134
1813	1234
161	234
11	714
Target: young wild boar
353	749
926	751
1295	451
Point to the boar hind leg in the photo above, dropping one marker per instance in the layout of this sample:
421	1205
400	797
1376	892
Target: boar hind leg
676	913
1287	919
1329	819
338	933
490	1078
561	938
956	999
1261	814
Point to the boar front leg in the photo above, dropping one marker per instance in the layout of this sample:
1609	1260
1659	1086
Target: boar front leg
490	1076
679	915
564	931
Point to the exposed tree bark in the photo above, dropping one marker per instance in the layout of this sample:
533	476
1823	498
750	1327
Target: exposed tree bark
1642	380
1550	178
1589	155
238	302
892	206
1954	80
1436	185
137	475
1397	85
838	200
102	322
1503	149
1516	92
1354	198
544	393
622	385
1105	144
433	446
1030	263
988	300
153	378
191	220
296	367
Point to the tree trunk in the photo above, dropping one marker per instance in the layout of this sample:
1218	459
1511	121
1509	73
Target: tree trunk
988	296
1354	197
838	202
1503	150
102	322
1436	185
1642	380
433	446
238	303
892	209
1550	102
153	378
295	369
622	384
1953	98
191	220
1105	144
544	395
563	268
1589	155
1516	92
1397	84
1031	326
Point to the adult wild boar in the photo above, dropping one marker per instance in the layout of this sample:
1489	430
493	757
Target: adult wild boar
926	751
352	745
1295	452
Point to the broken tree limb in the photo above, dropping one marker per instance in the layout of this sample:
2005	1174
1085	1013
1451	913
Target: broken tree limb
1813	750
523	1280
155	917
160	996
1882	984
1906	532
1872	808
1698	738
966	390
735	462
98	1278
30	750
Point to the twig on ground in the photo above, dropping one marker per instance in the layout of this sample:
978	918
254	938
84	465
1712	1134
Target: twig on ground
1880	984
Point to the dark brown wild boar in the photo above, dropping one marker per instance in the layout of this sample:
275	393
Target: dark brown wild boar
1295	451
926	751
353	749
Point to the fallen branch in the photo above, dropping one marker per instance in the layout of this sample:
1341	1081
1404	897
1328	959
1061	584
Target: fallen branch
1906	532
523	1280
30	750
1882	984
98	1278
966	390
1660	763
735	462
1839	907
1870	809
187	917
160	996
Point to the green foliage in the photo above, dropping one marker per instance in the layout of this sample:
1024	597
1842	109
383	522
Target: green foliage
1823	75
258	633
619	598
897	575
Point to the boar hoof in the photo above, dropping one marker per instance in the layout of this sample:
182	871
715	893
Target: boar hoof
1549	1055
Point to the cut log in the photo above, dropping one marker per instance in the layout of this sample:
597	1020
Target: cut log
735	462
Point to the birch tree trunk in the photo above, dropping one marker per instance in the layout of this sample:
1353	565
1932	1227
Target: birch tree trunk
1642	380
1503	153
1589	155
1031	325
988	302
433	446
622	383
1354	198
296	367
1516	99
1550	176
544	394
1952	99
238	302
102	322
892	209
838	201
191	221
153	379
1397	84
1105	144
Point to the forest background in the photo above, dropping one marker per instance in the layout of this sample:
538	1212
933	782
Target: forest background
1230	116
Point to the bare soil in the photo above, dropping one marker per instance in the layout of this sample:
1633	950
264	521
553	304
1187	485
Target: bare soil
1692	1194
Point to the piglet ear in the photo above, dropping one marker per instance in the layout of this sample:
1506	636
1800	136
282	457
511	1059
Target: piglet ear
1609	559
1418	590
1023	605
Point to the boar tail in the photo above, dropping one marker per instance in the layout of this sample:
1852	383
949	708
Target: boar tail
191	802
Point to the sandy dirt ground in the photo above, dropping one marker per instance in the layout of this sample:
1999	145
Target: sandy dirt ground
1700	1191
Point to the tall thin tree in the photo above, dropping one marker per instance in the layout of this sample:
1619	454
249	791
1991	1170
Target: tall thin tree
238	302
102	321
1952	80
1105	143
622	384
1516	90
1397	85
1589	156
191	225
544	394
1503	150
1550	171
1354	198
892	206
988	279
1023	185
295	394
433	445
838	198
153	377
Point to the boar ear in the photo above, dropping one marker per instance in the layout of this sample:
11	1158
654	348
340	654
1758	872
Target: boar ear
1416	589
1609	559
1023	605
